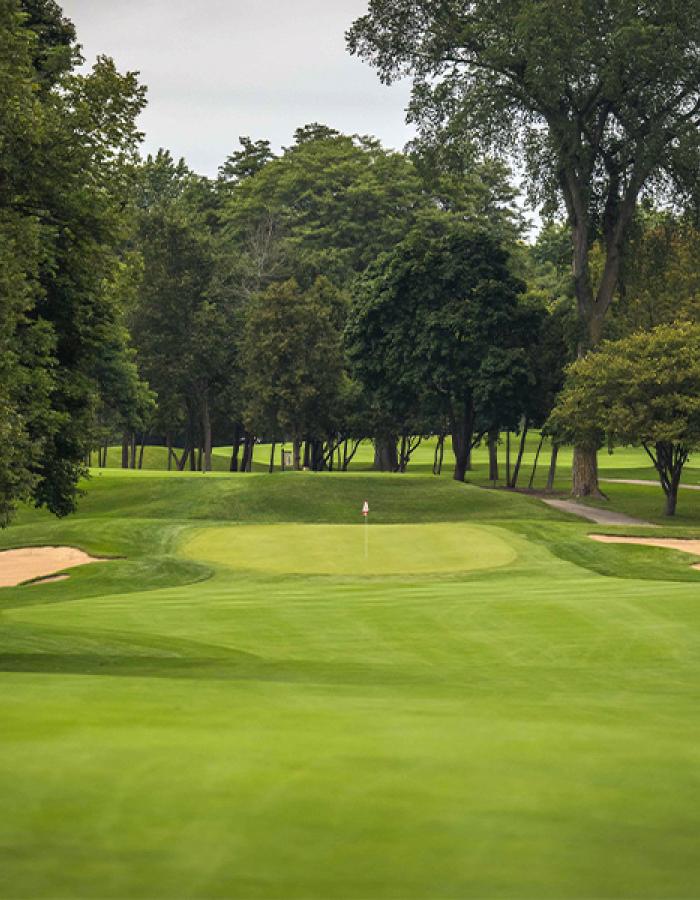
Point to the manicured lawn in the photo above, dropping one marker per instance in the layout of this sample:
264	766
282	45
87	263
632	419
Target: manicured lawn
349	550
213	716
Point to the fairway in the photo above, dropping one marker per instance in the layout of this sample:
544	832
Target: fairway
353	549
494	705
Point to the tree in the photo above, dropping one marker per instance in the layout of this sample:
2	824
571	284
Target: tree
247	161
185	327
69	145
332	203
292	360
430	323
642	389
601	96
327	206
660	279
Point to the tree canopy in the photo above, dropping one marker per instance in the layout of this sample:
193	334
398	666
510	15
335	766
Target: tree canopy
642	389
432	325
601	98
69	147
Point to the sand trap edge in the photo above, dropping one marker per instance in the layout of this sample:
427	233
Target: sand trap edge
24	566
683	545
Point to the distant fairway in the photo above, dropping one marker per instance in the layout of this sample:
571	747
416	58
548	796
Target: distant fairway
340	549
495	706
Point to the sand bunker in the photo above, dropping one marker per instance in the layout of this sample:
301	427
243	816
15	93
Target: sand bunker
685	546
18	566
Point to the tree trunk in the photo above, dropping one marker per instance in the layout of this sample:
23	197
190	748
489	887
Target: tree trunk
235	449
348	457
206	433
307	454
513	483
144	438
296	454
585	473
552	468
132	450
251	453
671	501
462	426
385	455
508	471
169	445
271	467
317	463
247	451
534	466
125	450
669	459
439	455
493	456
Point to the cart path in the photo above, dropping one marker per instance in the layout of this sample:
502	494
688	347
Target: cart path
600	516
645	483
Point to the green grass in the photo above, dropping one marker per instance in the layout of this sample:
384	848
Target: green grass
213	716
625	462
349	550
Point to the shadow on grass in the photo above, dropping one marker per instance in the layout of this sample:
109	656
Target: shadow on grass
235	666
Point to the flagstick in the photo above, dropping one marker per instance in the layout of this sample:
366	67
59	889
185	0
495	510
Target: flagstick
366	537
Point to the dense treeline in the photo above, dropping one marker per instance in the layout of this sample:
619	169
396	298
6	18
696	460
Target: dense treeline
339	292
68	152
336	291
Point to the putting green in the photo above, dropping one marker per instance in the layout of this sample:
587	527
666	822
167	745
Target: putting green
352	549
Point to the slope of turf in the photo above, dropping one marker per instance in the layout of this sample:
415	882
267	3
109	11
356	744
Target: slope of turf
187	727
294	496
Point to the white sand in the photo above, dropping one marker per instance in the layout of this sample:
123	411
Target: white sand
685	546
18	566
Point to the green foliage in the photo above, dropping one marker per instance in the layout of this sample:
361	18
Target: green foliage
291	356
643	389
327	207
602	99
432	324
661	274
69	144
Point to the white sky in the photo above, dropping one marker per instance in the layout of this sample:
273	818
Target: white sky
217	69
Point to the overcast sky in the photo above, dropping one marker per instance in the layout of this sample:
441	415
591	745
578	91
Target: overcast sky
217	69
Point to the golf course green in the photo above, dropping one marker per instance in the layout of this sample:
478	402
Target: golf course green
349	550
243	704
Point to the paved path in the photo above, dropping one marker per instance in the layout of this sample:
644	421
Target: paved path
644	483
601	516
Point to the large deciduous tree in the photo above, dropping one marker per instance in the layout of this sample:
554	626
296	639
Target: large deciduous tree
69	143
431	325
601	96
291	356
643	389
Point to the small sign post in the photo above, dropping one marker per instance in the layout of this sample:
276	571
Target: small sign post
365	513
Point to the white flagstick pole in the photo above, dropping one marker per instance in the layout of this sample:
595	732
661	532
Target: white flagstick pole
365	513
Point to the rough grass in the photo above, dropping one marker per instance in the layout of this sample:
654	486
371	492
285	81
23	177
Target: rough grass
177	727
